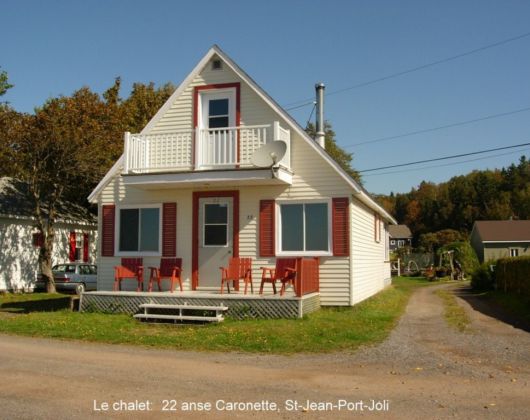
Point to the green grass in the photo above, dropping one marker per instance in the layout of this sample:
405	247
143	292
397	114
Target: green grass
330	329
454	314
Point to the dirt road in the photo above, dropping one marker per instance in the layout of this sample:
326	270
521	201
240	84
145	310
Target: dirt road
424	370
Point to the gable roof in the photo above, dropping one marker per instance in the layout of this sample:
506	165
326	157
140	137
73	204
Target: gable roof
503	230
360	193
16	203
399	231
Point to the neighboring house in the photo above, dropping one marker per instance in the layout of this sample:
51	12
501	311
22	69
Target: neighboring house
400	236
185	187
493	239
75	239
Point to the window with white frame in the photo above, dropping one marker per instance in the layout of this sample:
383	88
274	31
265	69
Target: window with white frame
304	228
139	230
514	252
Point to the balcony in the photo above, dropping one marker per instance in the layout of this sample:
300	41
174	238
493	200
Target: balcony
203	156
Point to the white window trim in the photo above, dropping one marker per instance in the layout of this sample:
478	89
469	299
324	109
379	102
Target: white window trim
223	93
117	251
278	232
514	250
229	209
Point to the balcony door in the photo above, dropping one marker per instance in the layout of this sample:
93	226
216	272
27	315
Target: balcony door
218	144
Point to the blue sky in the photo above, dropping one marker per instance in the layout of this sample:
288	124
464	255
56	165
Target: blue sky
55	47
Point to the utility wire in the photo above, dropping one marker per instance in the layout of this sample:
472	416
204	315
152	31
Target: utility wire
310	115
441	127
443	165
444	158
304	102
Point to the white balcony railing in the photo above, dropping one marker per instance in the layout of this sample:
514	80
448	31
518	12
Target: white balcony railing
220	148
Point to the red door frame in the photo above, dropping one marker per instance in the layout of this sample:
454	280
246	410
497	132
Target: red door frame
195	229
196	91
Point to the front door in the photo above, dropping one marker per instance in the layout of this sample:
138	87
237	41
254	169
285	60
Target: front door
215	239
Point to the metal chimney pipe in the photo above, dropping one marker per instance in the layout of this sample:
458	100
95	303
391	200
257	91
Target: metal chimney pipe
320	134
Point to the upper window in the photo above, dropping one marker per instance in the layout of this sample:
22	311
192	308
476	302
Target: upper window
514	252
139	230
218	114
304	228
218	108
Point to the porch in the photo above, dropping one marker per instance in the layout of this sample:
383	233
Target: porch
240	306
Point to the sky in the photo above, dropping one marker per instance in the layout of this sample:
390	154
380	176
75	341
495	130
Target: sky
55	47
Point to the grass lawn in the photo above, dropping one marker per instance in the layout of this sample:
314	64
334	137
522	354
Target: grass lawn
454	314
330	329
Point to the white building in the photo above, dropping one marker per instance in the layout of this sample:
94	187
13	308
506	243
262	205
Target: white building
185	187
75	240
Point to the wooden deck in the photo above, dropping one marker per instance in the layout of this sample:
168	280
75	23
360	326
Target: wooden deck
240	306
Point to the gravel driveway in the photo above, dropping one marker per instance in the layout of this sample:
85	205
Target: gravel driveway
424	370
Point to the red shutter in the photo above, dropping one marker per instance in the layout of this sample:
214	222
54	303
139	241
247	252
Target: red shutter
85	247
169	230
107	240
266	228
341	227
38	240
72	246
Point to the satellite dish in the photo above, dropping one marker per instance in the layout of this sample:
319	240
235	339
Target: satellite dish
269	154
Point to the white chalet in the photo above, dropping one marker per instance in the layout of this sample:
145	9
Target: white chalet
185	187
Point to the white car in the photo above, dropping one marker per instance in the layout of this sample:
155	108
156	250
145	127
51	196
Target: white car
72	277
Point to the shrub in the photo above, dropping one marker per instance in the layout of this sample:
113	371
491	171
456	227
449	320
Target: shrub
483	278
513	275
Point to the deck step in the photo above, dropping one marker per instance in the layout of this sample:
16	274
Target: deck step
184	306
217	318
180	312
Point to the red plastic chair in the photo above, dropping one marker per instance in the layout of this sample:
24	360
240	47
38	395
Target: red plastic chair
284	272
238	269
170	269
130	268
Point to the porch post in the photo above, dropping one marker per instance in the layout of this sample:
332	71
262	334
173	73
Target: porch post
126	139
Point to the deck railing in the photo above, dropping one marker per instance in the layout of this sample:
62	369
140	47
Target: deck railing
200	149
307	276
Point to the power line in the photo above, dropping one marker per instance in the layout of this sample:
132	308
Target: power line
440	127
304	102
444	165
443	158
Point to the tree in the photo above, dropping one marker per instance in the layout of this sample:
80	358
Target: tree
62	150
340	156
4	85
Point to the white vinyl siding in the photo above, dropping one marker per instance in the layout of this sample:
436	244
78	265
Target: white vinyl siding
313	179
371	271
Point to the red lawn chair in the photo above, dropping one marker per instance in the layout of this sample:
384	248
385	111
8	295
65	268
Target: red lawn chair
130	268
285	272
238	269
170	269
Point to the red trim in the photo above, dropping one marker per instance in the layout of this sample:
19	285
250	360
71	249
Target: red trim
85	247
71	254
266	228
195	229
341	227
196	91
